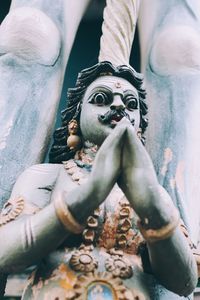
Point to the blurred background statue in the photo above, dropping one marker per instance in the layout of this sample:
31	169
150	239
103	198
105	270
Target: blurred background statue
35	42
169	37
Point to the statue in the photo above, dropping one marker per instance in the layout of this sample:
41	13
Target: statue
50	201
97	219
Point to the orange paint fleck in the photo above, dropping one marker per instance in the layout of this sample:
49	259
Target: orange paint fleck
68	281
172	183
168	155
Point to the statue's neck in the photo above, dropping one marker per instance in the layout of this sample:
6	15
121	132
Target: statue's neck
87	153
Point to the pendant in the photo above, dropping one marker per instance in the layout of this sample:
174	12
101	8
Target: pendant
100	286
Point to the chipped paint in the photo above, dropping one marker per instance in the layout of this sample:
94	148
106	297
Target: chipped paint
36	289
168	155
178	180
70	277
54	294
57	286
172	183
2	145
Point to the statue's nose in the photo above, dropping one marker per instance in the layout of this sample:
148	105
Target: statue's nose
117	103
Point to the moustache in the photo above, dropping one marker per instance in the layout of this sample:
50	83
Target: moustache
113	116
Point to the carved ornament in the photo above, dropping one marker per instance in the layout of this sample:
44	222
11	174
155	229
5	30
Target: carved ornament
93	285
11	210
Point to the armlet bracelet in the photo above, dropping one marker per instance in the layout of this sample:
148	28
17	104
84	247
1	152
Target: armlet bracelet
65	216
153	235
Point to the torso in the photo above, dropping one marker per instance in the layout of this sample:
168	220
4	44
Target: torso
105	264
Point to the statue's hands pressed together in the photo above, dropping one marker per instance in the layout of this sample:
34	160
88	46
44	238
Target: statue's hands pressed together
140	185
107	165
158	217
105	173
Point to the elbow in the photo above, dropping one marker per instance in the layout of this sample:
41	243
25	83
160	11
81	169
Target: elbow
13	256
189	287
181	287
174	264
179	276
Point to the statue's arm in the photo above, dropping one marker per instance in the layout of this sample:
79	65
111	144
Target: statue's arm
171	258
36	230
29	238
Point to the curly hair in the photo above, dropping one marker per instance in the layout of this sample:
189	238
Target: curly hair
60	151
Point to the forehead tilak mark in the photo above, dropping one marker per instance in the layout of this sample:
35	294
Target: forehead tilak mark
118	85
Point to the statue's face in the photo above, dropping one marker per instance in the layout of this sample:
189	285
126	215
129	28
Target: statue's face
106	101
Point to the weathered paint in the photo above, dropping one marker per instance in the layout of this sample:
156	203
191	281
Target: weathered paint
168	155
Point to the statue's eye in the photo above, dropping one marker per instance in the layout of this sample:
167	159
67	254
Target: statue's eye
131	102
100	99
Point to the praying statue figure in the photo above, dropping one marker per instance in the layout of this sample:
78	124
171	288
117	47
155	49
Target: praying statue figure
95	222
97	217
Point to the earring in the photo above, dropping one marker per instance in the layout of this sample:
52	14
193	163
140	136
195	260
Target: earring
73	140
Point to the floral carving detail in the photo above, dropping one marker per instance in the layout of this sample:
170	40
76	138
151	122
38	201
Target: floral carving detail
83	261
195	251
11	210
119	267
124	225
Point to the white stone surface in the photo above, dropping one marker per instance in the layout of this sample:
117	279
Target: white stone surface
30	34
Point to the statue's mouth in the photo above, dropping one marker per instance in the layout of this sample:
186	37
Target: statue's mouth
112	117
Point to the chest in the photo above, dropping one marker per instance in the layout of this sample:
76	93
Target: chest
113	224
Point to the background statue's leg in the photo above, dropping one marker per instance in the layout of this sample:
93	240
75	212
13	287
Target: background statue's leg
170	43
35	42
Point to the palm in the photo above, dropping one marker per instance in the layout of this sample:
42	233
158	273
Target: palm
106	169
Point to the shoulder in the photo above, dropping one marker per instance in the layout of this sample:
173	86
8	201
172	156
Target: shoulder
36	183
32	191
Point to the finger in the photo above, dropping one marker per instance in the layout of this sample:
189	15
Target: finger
113	141
134	150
